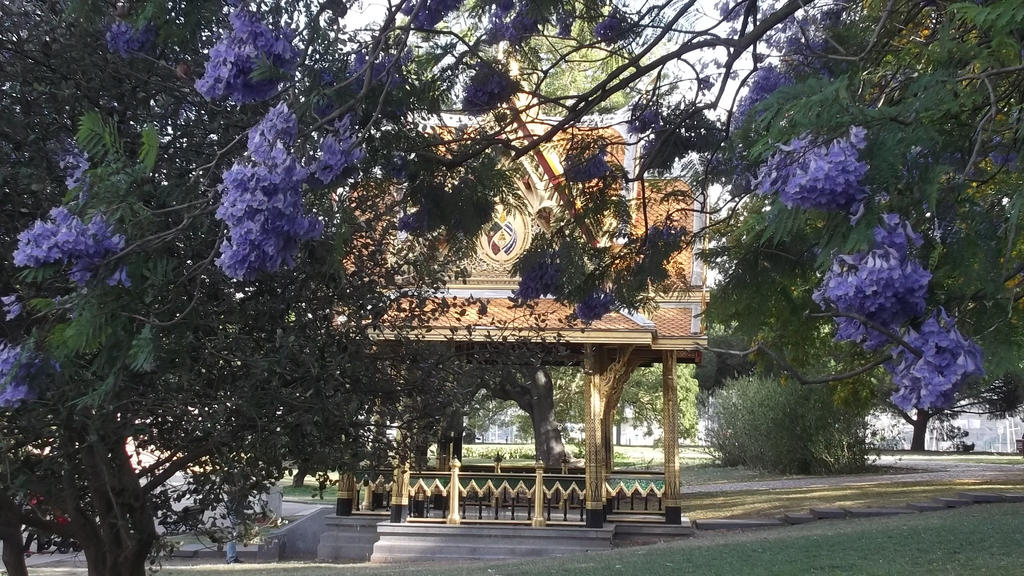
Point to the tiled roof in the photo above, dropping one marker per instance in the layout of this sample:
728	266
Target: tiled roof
460	315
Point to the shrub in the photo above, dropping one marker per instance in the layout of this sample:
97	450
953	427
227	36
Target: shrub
760	422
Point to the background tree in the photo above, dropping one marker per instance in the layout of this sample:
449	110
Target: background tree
940	150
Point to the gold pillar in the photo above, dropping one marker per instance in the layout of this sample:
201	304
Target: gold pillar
399	491
538	496
594	366
368	497
346	483
453	495
670	426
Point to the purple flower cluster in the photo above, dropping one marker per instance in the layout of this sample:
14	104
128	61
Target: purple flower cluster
74	163
487	88
15	369
763	84
539	275
817	177
126	40
667	235
416	221
947	361
11	306
887	287
386	68
339	152
644	117
429	13
611	28
564	19
595	306
238	54
261	202
278	127
63	237
585	169
884	285
513	23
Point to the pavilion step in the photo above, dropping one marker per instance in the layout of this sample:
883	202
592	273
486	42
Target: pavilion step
926	506
952	502
981	497
798	518
426	542
873	512
1012	496
648	529
737	523
828	513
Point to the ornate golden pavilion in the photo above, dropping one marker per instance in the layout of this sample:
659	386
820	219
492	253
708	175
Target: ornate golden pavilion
609	349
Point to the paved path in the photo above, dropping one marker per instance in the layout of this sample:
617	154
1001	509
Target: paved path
289	509
906	469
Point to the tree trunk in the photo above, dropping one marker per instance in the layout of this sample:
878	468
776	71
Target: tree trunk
450	438
300	476
14	557
10	534
920	424
534	392
120	542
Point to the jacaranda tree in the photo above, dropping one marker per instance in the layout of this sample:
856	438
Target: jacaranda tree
875	158
206	198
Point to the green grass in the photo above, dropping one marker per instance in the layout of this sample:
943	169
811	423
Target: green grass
977	540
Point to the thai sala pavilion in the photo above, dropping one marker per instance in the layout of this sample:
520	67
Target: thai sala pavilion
453	513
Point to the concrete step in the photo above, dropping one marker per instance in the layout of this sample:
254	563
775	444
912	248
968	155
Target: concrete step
828	513
426	542
652	529
926	506
872	512
952	502
1012	496
980	497
737	523
798	518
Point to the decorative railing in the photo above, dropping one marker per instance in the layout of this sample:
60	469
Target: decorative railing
635	491
510	496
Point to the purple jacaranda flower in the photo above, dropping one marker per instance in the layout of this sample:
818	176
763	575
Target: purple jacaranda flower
235	58
947	361
487	88
11	306
540	274
340	152
816	177
595	306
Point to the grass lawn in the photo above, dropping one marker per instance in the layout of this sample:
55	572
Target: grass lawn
976	540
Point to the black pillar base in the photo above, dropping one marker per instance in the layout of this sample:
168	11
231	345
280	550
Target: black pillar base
673	515
344	507
397	511
419	509
595	518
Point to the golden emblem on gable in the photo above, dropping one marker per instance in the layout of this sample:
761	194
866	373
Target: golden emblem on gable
505	238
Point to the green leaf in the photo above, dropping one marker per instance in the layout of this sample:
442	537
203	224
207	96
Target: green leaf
141	357
150	147
98	138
